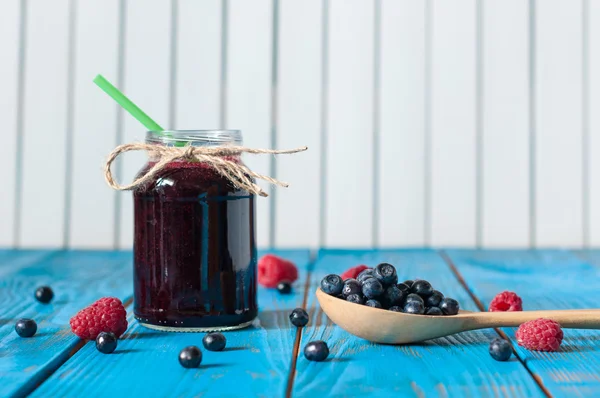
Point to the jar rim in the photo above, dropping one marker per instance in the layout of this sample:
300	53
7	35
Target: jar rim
194	137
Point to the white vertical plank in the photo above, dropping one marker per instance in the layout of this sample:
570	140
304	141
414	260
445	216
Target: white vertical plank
594	120
198	64
453	136
249	89
9	48
349	190
299	117
44	124
147	83
94	123
505	154
402	187
558	123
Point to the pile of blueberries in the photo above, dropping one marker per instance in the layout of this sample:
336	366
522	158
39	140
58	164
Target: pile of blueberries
378	287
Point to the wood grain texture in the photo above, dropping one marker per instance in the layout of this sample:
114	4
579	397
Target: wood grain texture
13	260
248	90
505	124
349	188
548	279
10	18
298	122
402	136
92	222
558	163
255	363
44	124
458	365
453	127
148	84
24	363
593	120
198	69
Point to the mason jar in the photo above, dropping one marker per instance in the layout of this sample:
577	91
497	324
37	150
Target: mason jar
194	244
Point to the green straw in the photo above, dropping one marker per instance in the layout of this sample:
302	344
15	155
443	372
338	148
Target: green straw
130	107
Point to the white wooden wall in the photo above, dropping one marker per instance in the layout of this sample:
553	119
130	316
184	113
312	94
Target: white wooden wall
429	123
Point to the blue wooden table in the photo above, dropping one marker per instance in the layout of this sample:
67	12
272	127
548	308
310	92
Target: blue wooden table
266	359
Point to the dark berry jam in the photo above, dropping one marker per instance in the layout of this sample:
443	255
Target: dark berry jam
194	250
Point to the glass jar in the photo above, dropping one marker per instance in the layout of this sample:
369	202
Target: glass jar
194	245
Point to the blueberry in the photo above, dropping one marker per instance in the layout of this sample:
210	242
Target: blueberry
414	307
392	295
408	283
433	311
386	274
372	288
106	342
355	298
365	274
316	351
214	341
395	309
299	317
449	306
351	286
26	327
500	350
44	294
416	298
422	288
284	287
332	284
373	303
190	357
404	288
434	300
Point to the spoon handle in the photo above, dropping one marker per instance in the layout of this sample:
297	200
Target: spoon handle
574	319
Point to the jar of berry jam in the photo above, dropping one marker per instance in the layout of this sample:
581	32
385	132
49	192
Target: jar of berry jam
194	245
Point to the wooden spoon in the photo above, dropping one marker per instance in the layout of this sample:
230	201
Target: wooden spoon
388	327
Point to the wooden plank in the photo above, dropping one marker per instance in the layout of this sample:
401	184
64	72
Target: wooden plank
44	124
94	124
10	20
299	122
546	279
593	126
453	116
255	363
25	363
458	365
349	188
505	134
198	70
402	137
12	260
248	94
147	83
558	138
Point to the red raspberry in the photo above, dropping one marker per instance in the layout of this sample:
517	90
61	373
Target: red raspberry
506	301
273	269
353	272
540	335
105	315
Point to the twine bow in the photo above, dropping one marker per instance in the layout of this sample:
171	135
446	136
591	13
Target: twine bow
237	173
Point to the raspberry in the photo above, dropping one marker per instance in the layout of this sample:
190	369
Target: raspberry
506	301
352	273
273	269
105	315
540	335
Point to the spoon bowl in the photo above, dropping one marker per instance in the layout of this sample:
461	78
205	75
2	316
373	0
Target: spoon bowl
389	327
